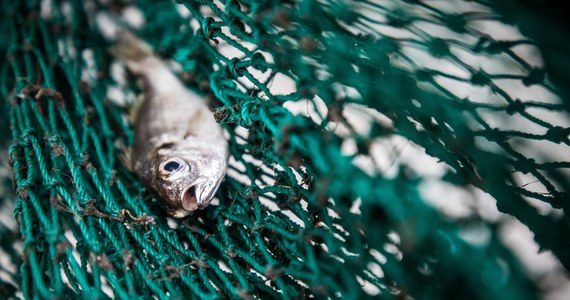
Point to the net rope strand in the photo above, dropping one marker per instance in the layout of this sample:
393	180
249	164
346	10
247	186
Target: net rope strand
297	216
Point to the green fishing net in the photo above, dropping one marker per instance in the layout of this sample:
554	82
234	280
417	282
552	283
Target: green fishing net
309	209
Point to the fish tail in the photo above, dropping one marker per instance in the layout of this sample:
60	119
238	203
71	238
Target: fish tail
130	48
134	52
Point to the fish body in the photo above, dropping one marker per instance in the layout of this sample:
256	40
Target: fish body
180	151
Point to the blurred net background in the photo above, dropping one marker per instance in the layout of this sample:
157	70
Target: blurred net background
371	142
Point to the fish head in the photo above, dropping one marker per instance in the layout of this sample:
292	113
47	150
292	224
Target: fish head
187	176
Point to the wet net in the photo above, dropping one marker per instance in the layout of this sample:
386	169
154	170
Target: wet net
312	94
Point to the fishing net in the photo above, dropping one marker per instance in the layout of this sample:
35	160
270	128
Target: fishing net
312	95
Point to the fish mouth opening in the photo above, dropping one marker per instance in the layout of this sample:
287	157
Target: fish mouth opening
189	200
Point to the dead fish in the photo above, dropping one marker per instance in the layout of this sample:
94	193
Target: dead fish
180	151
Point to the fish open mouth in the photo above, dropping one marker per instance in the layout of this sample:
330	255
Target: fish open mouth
189	200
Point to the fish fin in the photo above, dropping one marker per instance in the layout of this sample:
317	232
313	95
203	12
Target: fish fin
125	155
194	124
134	107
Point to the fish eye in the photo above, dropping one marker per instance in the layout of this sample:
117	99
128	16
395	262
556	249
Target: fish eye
172	166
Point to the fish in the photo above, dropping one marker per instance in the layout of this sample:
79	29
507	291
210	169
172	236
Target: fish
180	151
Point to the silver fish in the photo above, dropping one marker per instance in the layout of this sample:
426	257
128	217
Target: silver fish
180	151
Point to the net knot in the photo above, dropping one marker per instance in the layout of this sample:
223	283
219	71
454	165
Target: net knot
526	165
558	134
516	106
53	182
27	134
249	111
438	48
235	67
210	28
17	145
480	78
258	62
536	76
398	18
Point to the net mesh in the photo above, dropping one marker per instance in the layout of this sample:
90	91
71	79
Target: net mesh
308	208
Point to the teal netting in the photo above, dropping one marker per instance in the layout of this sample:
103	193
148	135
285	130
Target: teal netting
297	216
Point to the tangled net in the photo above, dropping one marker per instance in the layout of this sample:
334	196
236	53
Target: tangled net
307	210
